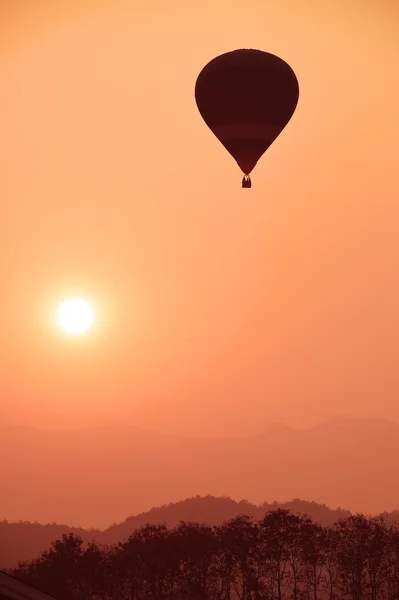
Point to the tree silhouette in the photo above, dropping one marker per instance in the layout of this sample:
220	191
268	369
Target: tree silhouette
238	540
284	556
198	547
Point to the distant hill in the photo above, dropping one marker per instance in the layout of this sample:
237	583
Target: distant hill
95	476
25	541
215	511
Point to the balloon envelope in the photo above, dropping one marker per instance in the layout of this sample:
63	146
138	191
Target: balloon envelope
246	97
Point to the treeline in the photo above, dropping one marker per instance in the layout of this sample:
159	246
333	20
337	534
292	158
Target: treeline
284	556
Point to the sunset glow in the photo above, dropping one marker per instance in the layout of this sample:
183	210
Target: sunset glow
75	316
166	333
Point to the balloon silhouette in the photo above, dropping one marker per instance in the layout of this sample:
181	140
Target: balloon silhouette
246	97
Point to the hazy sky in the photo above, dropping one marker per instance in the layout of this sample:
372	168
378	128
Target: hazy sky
220	309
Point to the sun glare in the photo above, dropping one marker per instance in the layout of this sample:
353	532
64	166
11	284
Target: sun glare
75	316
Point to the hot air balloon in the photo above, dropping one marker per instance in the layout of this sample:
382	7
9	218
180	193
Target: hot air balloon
246	97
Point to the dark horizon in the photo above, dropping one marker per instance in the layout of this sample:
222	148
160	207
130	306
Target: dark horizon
26	541
242	557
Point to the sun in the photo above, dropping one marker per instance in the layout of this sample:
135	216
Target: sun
75	316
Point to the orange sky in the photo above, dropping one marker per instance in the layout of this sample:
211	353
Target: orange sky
220	309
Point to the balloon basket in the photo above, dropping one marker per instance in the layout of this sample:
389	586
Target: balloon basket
246	182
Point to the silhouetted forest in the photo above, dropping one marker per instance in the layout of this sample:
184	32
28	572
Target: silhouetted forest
25	541
283	556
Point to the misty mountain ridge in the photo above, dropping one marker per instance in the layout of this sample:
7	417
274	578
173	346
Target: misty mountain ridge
98	475
272	428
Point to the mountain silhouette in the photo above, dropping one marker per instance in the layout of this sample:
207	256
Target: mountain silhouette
97	476
26	541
